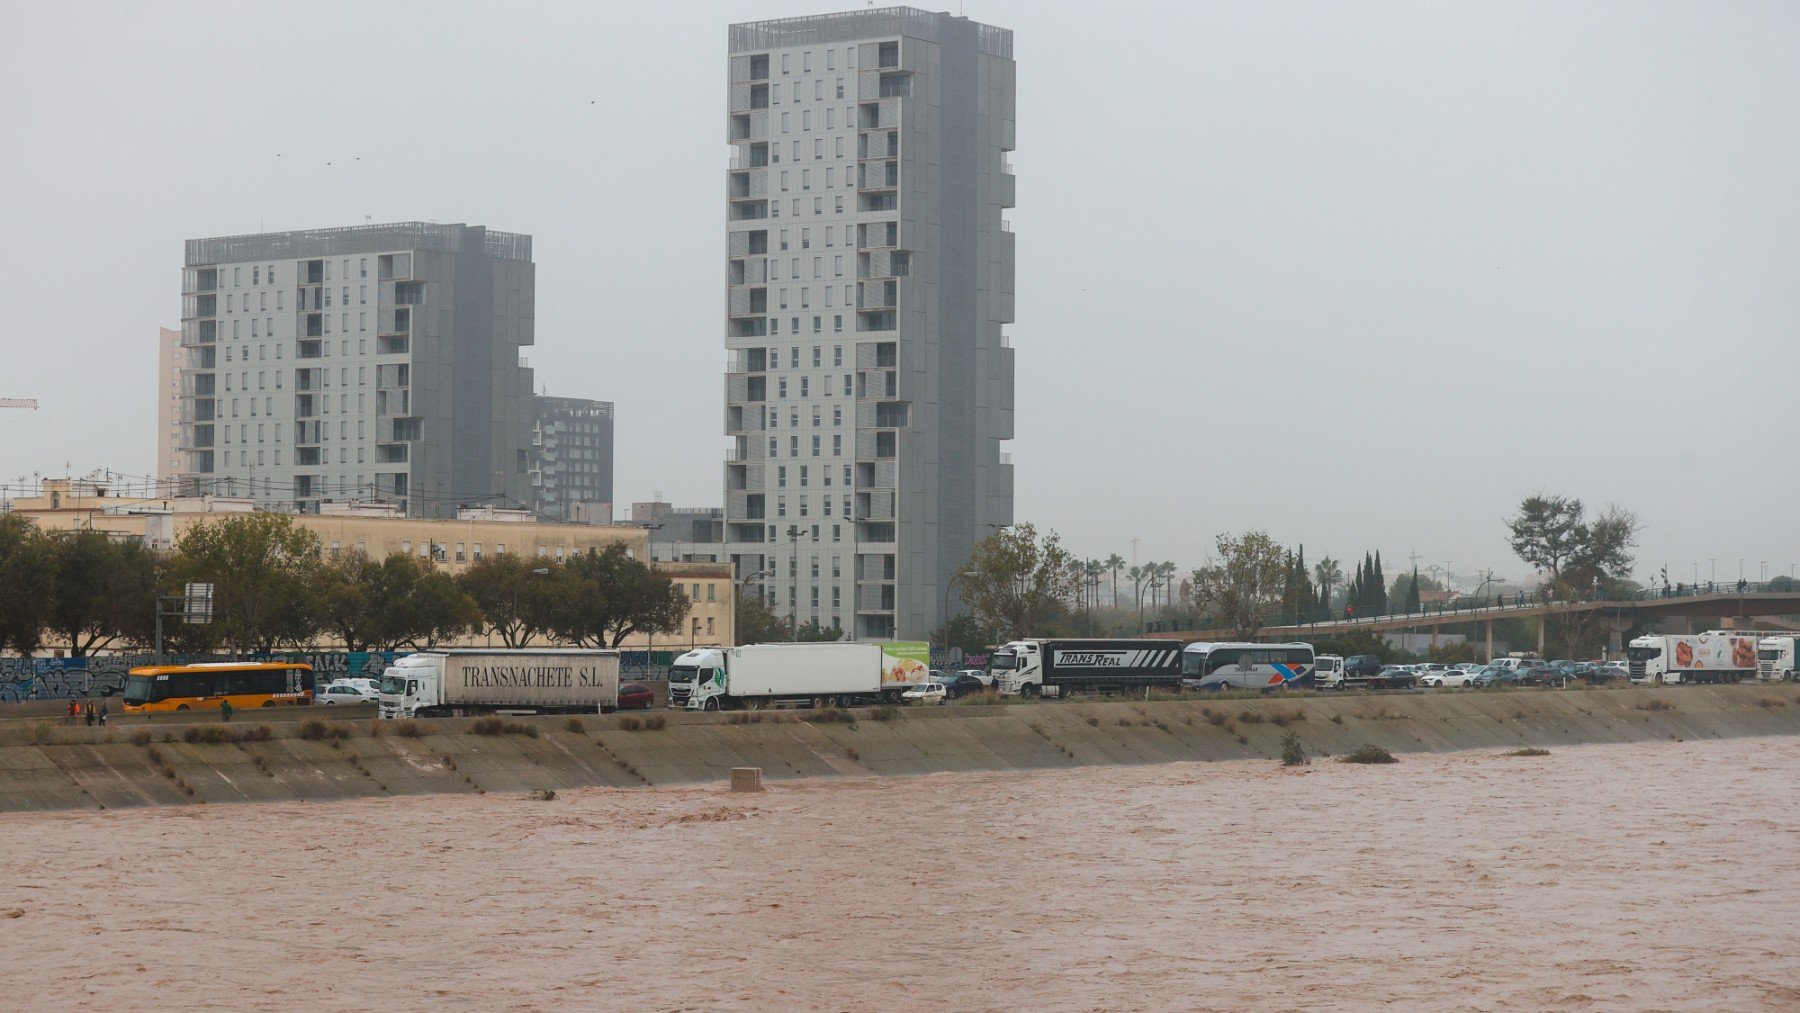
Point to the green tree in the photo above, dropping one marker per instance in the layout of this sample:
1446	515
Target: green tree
756	622
1244	588
515	598
344	587
27	583
1019	579
1327	573
1412	592
105	592
432	609
810	632
262	568
603	597
963	632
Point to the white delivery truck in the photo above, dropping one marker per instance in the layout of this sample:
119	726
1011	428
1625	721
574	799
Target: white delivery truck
1775	658
459	683
1713	656
762	675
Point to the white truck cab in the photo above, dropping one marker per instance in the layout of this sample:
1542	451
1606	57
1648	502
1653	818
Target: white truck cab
695	678
1328	671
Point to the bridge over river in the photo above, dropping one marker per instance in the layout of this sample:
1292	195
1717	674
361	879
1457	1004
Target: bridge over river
1615	615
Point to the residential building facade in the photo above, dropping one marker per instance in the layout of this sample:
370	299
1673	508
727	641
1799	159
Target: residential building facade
869	280
378	362
170	359
572	457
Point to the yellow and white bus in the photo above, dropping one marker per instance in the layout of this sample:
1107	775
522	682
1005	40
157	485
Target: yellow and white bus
247	684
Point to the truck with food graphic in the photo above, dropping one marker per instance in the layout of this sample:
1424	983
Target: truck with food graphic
1713	656
766	675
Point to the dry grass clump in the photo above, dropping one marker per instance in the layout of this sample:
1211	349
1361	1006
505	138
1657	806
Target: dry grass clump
210	734
498	726
1770	701
1282	718
744	718
542	795
830	715
1529	751
1337	719
575	725
1213	717
1658	704
1093	722
885	712
630	724
655	722
1368	753
313	728
1251	717
406	728
141	737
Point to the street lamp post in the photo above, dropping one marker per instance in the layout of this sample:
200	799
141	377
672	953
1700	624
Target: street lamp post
793	532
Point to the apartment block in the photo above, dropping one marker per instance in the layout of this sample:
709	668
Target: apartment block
682	534
374	363
572	458
869	279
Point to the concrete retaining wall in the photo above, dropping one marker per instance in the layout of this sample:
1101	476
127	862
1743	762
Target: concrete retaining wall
49	766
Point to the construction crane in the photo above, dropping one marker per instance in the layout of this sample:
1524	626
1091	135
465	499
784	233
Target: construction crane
19	402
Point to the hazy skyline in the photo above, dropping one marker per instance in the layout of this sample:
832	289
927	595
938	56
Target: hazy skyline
1362	276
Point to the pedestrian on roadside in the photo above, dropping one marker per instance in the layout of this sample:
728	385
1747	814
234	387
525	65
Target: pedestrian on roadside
73	708
90	713
224	710
102	714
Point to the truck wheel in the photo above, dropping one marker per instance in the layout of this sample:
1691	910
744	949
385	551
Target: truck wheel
818	703
712	703
1029	691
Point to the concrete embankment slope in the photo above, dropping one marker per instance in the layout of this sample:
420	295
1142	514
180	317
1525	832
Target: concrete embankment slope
46	766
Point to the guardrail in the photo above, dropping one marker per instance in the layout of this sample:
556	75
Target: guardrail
1488	605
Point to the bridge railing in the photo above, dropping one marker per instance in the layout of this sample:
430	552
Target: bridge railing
1476	607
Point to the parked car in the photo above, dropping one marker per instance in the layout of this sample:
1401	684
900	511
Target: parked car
635	696
961	684
344	693
372	685
981	675
927	693
1397	677
1495	675
1542	675
1452	678
1362	664
1430	668
1608	672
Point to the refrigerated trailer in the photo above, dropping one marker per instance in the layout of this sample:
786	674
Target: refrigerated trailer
1058	667
1714	656
460	683
762	675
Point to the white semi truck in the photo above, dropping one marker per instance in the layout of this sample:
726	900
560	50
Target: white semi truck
763	675
460	683
1714	656
1775	658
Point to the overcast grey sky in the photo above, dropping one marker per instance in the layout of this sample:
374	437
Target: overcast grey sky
1359	274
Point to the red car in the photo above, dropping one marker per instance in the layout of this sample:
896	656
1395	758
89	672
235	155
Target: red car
635	696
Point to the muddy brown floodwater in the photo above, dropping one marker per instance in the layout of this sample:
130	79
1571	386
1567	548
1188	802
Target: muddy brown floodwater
1624	876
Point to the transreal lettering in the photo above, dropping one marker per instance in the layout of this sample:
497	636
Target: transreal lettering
1071	659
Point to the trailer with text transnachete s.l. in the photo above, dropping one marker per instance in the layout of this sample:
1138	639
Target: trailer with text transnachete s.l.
460	683
1060	667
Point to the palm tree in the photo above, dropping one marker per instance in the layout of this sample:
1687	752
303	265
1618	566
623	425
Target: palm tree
1328	575
1114	562
1168	577
1138	576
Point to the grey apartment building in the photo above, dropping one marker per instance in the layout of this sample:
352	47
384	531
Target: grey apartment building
869	279
377	362
572	457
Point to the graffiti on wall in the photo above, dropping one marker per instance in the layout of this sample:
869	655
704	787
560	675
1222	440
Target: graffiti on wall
63	678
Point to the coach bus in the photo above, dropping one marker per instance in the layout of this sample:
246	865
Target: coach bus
1246	666
247	684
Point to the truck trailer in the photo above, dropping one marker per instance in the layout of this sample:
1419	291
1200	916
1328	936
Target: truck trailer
765	675
460	683
1714	656
1058	667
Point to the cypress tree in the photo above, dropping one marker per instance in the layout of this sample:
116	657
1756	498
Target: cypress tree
1412	591
1378	588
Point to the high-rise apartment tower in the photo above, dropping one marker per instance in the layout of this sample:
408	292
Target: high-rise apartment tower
372	363
869	278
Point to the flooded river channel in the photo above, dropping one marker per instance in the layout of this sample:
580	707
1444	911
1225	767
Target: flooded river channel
1621	876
